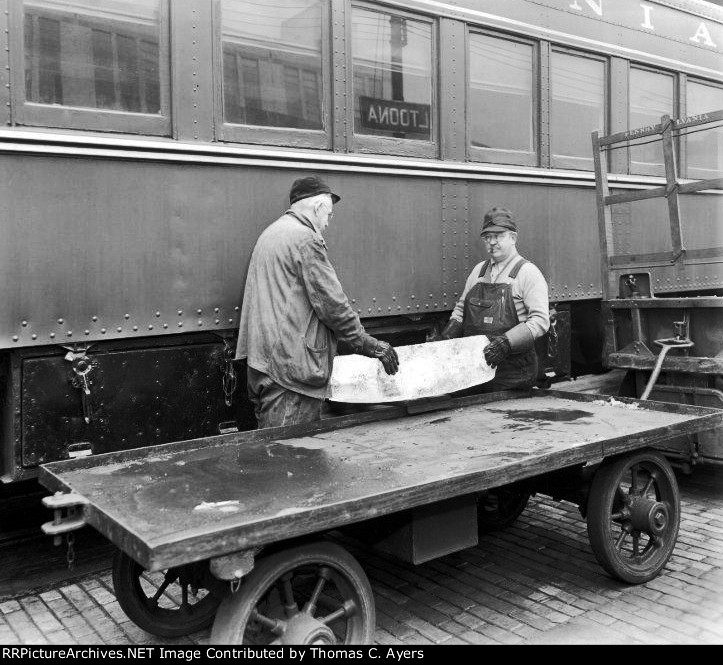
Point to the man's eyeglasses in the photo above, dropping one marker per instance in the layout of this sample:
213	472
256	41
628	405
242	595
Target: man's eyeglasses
493	237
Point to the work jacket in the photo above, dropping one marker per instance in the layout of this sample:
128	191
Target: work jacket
294	309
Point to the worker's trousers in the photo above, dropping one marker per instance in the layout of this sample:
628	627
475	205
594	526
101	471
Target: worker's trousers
276	406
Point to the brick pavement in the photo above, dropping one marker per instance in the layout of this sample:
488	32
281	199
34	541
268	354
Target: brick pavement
534	583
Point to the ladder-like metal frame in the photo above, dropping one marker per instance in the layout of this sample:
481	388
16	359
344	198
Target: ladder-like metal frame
672	190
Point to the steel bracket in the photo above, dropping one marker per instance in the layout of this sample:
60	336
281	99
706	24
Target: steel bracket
73	519
234	566
637	348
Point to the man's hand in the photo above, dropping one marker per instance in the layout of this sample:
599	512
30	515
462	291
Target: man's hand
452	330
388	357
497	350
382	351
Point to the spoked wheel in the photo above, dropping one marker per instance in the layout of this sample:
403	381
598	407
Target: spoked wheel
171	603
633	516
310	594
499	507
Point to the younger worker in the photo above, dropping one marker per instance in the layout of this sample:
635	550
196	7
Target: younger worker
505	298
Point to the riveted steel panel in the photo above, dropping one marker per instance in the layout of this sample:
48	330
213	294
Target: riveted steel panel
192	69
105	249
545	108
343	106
619	102
557	232
4	65
641	228
138	398
453	86
457	257
386	243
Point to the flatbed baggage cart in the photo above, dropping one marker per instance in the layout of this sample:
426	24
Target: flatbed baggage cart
235	523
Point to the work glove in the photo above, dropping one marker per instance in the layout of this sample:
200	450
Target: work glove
452	330
497	350
382	351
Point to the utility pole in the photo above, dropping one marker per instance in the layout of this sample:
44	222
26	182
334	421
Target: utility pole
397	41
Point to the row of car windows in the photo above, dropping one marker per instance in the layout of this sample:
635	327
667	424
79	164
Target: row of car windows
112	56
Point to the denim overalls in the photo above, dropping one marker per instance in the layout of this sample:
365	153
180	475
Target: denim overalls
489	309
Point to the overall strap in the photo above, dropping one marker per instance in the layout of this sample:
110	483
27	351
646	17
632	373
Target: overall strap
517	267
484	268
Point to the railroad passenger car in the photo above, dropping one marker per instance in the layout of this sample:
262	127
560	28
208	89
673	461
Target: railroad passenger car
146	143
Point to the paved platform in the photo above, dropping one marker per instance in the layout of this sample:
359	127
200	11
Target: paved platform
534	583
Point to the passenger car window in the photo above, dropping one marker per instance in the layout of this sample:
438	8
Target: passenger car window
704	149
652	95
102	56
392	67
501	97
578	108
272	63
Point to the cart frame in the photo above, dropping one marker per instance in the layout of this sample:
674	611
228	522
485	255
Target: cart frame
589	473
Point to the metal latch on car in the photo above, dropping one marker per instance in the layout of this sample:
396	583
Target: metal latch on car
81	368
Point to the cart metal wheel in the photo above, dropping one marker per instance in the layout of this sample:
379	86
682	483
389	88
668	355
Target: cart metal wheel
633	516
171	603
498	508
315	593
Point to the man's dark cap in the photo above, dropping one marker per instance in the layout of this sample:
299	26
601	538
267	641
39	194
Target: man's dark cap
303	188
498	220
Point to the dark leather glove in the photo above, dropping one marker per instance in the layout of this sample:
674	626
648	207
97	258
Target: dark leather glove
382	351
452	330
497	350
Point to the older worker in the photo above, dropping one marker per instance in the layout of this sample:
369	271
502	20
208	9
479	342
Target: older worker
505	298
294	311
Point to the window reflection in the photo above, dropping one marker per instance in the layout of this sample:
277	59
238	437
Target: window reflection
501	102
578	104
392	58
705	148
651	97
272	63
101	55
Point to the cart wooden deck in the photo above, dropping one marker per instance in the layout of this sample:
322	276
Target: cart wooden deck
190	501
